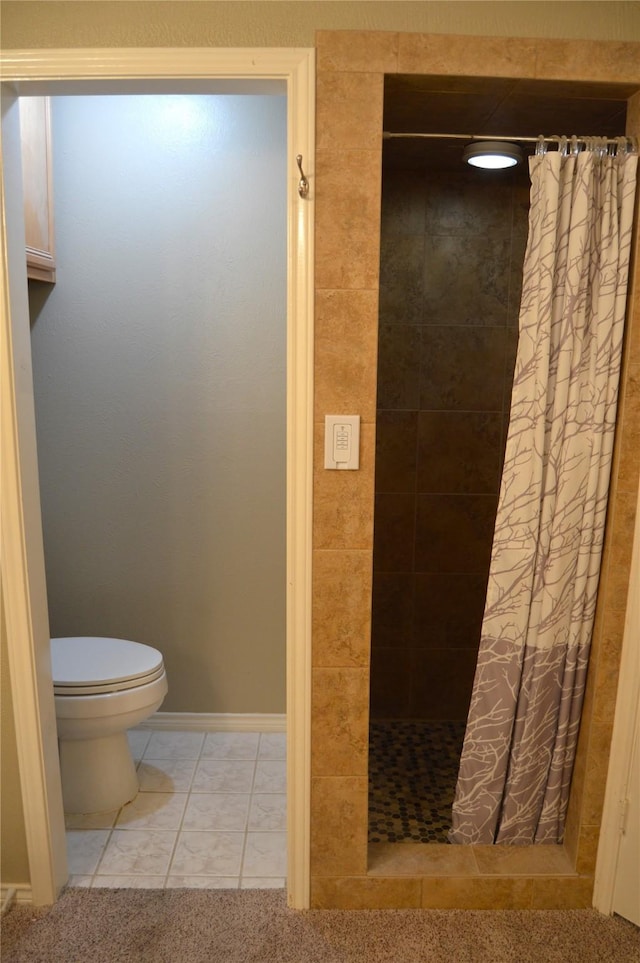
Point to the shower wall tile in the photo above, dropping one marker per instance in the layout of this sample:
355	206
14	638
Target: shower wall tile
365	893
511	338
441	683
340	730
558	894
633	119
395	525
448	609
566	59
633	312
587	850
399	366
343	500
476	894
466	280
347	200
391	683
401	278
459	451
629	465
392	609
338	815
357	50
521	204
432	53
348	190
462	369
606	651
396	455
341	582
346	337
620	523
403	204
415	859
359	270
338	96
448	449
518	248
521	860
462	206
454	532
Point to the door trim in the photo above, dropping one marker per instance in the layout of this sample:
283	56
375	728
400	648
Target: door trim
181	70
625	727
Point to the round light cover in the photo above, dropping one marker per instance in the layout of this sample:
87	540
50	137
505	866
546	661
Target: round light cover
492	154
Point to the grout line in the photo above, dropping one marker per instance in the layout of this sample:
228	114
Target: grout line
246	828
186	806
177	839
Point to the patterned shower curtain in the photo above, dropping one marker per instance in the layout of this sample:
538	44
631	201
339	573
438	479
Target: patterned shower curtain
522	729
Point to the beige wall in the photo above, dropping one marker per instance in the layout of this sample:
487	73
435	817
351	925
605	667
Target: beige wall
289	24
159	368
14	863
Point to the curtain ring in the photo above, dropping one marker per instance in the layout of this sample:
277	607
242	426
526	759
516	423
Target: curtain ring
563	146
541	145
575	147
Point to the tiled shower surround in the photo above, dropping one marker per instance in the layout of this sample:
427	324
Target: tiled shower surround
351	66
451	253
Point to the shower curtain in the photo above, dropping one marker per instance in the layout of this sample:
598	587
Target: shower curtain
522	729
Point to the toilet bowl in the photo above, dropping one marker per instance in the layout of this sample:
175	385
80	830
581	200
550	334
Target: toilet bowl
101	688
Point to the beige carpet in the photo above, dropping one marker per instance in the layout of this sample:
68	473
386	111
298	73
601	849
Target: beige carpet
255	926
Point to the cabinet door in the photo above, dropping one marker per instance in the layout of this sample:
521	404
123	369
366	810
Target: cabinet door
35	129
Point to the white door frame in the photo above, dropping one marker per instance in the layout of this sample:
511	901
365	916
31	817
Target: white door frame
182	70
625	727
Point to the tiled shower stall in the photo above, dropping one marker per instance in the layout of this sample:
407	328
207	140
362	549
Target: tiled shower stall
345	871
452	247
451	251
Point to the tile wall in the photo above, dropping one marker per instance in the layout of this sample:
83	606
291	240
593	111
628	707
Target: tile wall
350	76
451	254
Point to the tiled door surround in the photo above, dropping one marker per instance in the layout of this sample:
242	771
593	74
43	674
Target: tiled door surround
350	75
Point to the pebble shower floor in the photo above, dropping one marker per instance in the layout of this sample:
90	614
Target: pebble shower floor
210	814
413	768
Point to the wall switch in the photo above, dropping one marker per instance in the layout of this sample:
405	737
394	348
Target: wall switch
342	441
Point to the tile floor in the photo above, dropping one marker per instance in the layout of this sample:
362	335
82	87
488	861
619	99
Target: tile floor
211	813
413	770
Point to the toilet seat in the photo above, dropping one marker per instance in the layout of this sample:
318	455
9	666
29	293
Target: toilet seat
92	665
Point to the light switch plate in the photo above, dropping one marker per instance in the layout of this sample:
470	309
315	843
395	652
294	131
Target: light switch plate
342	441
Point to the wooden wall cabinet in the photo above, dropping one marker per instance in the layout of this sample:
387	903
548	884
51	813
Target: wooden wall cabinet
35	130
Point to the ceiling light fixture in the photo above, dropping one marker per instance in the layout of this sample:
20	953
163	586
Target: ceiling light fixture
492	154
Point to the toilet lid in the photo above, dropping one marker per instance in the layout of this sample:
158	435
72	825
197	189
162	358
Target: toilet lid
88	661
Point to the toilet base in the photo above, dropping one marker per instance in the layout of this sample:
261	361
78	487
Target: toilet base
98	775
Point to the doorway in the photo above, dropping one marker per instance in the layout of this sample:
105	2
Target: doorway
279	71
453	241
159	367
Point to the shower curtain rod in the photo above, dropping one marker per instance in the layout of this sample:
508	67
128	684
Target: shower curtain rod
631	143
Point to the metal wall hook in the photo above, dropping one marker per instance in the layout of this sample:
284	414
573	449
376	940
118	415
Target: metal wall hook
303	184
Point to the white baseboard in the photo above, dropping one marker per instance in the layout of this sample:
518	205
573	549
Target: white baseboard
14	893
217	721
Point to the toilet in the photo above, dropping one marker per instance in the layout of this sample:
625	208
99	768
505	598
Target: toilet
102	687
